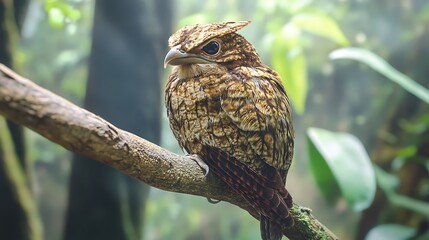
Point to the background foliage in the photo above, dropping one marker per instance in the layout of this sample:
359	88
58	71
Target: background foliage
381	186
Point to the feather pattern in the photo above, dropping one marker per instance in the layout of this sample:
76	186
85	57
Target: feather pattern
228	107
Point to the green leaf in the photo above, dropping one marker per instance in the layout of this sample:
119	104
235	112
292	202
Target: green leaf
288	59
381	66
391	232
323	175
317	22
339	162
407	152
389	182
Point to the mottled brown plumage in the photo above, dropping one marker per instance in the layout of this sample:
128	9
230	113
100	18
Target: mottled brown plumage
226	106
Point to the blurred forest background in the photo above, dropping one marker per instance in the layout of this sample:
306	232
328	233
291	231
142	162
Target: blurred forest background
107	56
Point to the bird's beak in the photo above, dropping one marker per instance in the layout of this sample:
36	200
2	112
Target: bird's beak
177	56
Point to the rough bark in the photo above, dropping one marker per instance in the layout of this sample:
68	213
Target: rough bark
83	132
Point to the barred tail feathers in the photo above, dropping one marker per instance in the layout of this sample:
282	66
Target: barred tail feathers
266	192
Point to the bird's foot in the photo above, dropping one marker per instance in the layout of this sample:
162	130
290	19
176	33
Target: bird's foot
206	169
200	163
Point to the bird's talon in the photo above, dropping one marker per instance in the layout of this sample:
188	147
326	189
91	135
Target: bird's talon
200	163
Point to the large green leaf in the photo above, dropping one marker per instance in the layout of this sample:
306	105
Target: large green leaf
288	59
341	165
319	23
391	232
378	64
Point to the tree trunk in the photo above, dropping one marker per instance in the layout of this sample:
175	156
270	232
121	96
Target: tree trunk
123	87
18	212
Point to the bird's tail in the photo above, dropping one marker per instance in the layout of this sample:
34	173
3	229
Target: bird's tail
270	230
265	191
273	222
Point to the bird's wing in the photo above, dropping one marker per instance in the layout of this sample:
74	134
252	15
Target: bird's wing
258	107
257	104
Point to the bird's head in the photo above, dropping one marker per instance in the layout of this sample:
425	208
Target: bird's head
214	43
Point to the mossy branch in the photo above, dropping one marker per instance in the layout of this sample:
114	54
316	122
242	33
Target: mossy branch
83	132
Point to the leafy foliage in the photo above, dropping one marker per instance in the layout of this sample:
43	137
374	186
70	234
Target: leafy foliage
330	155
389	183
341	167
381	66
287	49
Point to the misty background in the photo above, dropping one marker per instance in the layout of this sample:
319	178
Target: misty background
107	56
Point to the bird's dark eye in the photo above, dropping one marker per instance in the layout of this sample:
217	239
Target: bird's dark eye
211	48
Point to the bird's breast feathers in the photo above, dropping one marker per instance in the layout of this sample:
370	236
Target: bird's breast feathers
229	110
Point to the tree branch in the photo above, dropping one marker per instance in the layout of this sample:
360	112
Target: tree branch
83	132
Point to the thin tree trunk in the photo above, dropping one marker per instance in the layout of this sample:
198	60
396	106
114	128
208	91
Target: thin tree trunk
18	212
123	87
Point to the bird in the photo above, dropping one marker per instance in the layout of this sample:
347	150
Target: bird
231	111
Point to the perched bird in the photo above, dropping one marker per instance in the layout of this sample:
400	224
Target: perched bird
231	110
